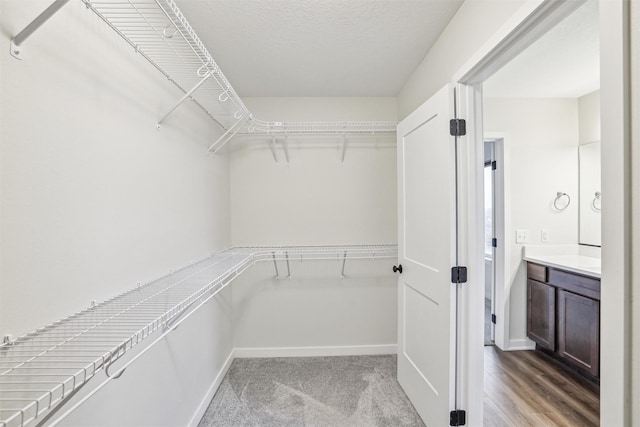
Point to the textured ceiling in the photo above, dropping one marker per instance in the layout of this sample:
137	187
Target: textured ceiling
318	47
564	63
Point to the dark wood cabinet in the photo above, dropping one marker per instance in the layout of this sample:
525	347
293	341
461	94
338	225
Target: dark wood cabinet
541	314
579	331
563	316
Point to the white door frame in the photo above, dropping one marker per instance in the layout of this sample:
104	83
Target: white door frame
502	222
533	20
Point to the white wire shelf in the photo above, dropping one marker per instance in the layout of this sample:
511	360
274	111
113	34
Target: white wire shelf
42	370
159	32
301	128
331	252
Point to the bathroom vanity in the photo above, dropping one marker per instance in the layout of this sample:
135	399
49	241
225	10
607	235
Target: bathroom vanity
563	309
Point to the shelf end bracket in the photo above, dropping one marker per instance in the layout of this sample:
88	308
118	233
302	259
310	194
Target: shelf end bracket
19	39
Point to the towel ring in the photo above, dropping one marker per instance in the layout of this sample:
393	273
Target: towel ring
559	196
595	200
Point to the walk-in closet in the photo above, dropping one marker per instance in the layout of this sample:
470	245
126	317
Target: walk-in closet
250	213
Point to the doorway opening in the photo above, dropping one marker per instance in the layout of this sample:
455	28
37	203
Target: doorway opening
490	243
546	100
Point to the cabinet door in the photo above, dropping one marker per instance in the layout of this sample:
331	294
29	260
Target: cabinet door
541	314
579	331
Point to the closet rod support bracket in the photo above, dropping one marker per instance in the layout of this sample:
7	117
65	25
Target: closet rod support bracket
226	137
186	96
344	148
19	39
275	264
273	149
285	145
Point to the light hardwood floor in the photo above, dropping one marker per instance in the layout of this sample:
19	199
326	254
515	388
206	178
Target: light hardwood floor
525	388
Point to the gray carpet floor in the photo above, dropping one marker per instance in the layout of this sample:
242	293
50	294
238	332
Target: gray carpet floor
311	391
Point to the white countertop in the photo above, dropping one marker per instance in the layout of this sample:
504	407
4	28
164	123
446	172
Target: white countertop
580	264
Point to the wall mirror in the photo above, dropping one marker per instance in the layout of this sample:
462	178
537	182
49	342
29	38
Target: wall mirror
590	194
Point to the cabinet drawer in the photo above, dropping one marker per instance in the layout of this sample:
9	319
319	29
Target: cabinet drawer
581	285
537	272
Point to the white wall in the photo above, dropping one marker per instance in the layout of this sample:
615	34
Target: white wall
473	24
589	116
542	139
316	200
315	312
94	199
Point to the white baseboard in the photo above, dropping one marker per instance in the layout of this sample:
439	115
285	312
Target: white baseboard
197	416
358	350
521	344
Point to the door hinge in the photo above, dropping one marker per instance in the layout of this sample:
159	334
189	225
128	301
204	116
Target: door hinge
494	165
457	417
494	242
493	319
458	274
457	127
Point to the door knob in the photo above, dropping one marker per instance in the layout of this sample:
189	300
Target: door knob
397	269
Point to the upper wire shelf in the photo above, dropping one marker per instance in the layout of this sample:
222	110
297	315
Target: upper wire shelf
42	370
160	33
300	128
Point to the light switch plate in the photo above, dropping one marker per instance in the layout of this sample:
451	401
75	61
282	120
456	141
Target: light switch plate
544	235
522	236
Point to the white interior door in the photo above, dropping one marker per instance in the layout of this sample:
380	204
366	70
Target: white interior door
426	251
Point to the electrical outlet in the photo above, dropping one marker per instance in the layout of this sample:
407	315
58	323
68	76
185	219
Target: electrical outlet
522	236
544	235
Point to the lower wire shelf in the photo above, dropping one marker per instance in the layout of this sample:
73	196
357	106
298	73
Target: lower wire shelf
43	369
